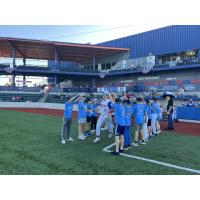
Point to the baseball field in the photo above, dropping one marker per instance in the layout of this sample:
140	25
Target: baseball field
30	144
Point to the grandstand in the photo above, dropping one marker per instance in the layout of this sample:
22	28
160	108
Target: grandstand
152	55
165	59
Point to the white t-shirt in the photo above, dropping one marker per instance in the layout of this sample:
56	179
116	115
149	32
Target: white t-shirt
104	106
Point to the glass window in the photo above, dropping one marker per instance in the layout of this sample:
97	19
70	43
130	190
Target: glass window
103	66
108	65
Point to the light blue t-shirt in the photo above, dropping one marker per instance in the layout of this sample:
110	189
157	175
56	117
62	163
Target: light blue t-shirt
128	111
119	114
89	107
158	108
68	110
155	108
139	113
81	112
94	108
149	112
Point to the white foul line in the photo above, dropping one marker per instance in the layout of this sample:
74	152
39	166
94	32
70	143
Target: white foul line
106	149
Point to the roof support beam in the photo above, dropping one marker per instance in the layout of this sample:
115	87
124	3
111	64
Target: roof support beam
57	59
16	48
93	62
14	57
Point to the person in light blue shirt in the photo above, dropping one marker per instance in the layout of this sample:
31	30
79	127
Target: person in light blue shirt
147	124
119	110
67	119
149	117
140	116
155	112
82	115
128	111
159	117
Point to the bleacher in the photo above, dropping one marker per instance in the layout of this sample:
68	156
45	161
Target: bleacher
20	97
56	98
20	89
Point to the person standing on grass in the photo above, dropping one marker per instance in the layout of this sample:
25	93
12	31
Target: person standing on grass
119	110
88	103
149	113
145	125
159	117
140	115
94	115
154	107
169	97
128	111
82	114
67	120
103	118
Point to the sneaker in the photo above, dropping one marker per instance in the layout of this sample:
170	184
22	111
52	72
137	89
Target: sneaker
140	142
127	147
158	131
114	153
146	140
87	134
97	139
135	144
121	150
70	140
81	137
110	135
63	141
143	142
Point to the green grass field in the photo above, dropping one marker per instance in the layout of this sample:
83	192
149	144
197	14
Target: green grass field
30	144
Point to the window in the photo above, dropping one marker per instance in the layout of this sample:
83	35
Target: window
108	65
103	66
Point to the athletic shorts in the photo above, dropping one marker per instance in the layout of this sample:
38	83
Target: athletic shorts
88	119
119	130
82	120
139	127
149	122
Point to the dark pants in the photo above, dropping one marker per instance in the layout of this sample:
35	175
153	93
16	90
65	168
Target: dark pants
66	129
170	121
127	139
93	123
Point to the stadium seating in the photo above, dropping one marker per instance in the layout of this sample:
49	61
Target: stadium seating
20	89
56	98
20	97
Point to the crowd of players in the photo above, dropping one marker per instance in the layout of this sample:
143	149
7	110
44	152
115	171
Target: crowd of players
114	112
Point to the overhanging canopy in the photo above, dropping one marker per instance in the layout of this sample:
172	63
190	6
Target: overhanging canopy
40	49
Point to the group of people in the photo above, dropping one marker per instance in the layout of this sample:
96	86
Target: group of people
191	103
115	112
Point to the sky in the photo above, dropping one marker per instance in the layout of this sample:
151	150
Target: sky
73	33
67	33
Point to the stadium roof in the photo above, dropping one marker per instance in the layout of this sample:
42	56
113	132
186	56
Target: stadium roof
41	49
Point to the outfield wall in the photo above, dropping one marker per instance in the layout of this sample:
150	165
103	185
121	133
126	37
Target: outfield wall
31	105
